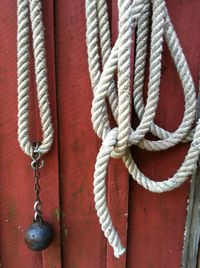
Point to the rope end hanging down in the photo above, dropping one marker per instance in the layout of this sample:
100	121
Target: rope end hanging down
116	142
119	252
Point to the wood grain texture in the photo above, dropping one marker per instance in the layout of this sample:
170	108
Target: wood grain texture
17	184
156	222
83	242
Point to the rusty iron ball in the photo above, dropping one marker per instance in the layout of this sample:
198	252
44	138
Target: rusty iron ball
39	236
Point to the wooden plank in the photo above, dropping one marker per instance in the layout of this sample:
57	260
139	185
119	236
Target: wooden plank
156	222
83	242
17	185
50	179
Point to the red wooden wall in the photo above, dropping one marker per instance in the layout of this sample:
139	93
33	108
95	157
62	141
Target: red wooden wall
155	222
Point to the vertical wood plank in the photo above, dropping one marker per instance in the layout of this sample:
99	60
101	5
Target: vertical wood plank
17	185
83	242
50	179
156	222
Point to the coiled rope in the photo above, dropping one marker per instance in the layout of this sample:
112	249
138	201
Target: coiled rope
151	18
29	13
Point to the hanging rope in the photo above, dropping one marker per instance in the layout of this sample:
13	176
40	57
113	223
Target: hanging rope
29	13
153	22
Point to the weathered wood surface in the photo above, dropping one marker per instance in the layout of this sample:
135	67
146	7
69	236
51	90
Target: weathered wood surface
82	239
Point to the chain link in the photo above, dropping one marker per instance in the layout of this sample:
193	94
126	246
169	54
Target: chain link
36	164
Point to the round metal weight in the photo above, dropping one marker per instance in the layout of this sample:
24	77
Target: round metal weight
39	236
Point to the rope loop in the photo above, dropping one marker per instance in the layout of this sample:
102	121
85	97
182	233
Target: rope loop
118	154
29	14
109	69
117	151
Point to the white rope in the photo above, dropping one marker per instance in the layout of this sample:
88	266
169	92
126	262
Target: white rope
29	13
104	62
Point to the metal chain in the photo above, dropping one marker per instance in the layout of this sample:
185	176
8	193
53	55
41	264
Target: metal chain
36	164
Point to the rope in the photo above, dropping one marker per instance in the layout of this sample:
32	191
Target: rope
153	22
30	12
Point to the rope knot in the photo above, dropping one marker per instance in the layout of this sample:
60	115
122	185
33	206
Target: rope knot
121	145
110	72
117	152
111	139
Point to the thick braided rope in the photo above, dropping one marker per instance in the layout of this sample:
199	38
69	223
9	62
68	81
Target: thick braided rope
32	8
105	42
94	33
123	71
93	53
118	139
100	194
101	127
168	139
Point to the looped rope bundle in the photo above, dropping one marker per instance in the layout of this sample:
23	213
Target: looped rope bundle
151	19
29	13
